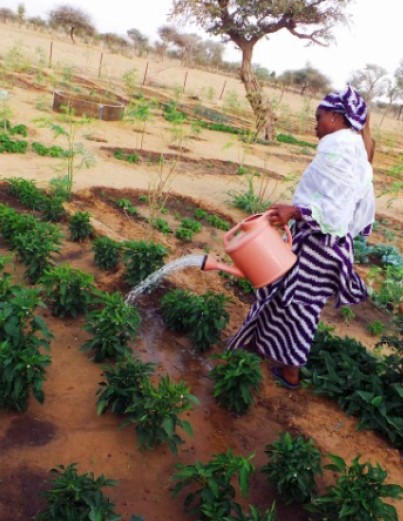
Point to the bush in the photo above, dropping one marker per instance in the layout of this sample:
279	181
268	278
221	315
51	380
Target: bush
294	464
74	496
68	291
107	253
80	226
236	379
201	317
113	326
141	259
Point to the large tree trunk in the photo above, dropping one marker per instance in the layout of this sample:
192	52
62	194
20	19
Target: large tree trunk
259	102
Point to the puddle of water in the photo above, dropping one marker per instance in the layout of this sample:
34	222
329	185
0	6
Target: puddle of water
27	432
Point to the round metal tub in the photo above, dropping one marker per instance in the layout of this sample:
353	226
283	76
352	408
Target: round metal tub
91	106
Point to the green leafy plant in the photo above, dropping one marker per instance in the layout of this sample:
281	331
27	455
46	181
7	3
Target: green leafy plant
236	379
22	334
68	291
294	462
112	327
191	224
124	384
10	146
127	206
156	413
78	497
53	151
80	226
107	253
125	156
213	491
376	328
140	259
218	223
200	214
201	317
347	314
249	201
357	493
286	138
161	225
184	234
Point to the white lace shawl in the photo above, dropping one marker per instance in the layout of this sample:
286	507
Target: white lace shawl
337	185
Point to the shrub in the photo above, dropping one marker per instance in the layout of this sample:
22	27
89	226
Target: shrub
161	225
141	259
80	226
191	224
376	328
217	222
201	317
294	463
113	326
68	291
12	147
357	493
236	379
184	234
200	214
249	201
107	253
124	383
53	151
156	413
77	496
212	495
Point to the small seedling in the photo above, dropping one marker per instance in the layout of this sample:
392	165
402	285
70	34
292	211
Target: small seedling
347	314
376	328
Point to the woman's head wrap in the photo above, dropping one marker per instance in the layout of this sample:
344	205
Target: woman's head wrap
348	102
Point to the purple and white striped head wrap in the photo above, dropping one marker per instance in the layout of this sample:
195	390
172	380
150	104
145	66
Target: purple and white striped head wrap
348	102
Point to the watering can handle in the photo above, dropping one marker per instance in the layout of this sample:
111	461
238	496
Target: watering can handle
228	235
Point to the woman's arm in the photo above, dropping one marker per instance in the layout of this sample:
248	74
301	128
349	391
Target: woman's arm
369	142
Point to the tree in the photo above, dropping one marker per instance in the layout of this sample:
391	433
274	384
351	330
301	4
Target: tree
370	81
140	41
307	78
21	14
72	20
245	22
7	14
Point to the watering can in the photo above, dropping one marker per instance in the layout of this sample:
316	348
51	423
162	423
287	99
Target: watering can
259	252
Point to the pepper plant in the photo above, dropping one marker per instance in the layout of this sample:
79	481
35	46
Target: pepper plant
113	325
68	291
107	253
140	259
212	489
202	317
294	462
124	383
156	413
80	226
78	497
236	379
357	494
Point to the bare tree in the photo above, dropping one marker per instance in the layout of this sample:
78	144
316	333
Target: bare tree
72	20
371	81
247	22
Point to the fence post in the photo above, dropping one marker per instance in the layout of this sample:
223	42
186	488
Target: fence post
223	89
145	74
185	81
50	54
100	64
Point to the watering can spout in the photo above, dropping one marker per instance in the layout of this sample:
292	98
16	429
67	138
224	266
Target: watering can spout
209	264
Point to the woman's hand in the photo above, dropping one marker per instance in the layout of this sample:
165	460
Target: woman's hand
282	213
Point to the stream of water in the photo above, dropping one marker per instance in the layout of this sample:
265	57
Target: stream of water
153	279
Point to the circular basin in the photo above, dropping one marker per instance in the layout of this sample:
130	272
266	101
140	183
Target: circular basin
85	105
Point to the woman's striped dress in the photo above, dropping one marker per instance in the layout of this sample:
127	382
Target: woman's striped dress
283	320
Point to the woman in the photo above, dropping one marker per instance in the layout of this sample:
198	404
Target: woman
333	203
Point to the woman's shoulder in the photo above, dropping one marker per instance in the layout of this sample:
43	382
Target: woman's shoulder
342	142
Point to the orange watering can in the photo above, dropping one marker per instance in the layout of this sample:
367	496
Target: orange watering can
259	252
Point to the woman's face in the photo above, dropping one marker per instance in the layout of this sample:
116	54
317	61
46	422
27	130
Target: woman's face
325	122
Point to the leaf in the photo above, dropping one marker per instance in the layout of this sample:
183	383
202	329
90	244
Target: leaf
169	426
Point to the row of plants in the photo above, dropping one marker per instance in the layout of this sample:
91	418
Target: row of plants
12	146
367	386
383	254
20	128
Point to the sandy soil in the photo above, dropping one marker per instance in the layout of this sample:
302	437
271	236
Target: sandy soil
66	428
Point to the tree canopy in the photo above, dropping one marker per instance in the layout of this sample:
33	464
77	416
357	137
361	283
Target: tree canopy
72	20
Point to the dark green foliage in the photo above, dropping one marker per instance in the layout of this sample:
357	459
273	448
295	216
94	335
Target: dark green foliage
213	493
80	226
222	127
161	225
77	497
13	223
184	234
217	222
384	254
364	385
236	379
376	328
126	206
357	493
22	335
141	259
286	138
191	224
124	384
130	158
294	462
68	291
201	317
172	114
200	214
255	515
106	253
53	151
112	326
20	129
12	147
156	413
